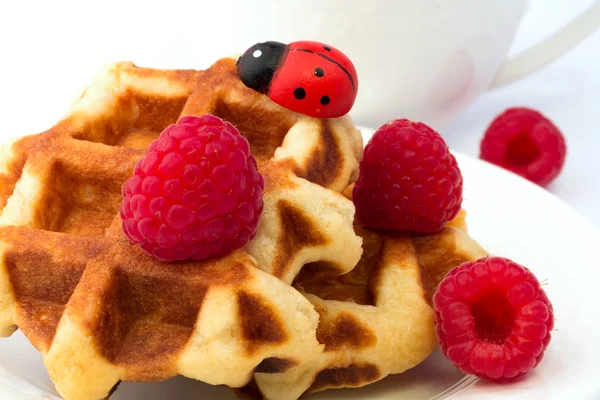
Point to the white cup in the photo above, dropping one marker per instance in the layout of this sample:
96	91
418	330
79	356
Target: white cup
423	59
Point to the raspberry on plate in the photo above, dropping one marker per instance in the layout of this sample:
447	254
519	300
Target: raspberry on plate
196	193
525	142
493	319
408	180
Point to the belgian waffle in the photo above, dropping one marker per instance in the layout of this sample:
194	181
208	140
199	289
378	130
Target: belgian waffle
297	155
376	320
100	310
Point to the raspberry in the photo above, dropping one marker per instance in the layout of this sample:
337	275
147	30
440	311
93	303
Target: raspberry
493	319
408	180
525	142
196	194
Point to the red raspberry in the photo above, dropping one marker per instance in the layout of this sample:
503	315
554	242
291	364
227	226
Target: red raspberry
196	194
493	319
525	142
408	180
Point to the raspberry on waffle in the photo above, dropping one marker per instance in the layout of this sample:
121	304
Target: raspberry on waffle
98	308
195	194
378	319
408	180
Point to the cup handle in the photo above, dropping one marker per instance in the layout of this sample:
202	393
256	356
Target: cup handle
550	48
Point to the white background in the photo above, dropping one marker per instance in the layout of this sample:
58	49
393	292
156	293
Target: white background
50	50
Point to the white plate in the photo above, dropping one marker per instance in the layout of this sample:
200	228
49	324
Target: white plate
508	216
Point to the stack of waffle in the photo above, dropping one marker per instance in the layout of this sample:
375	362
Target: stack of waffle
312	302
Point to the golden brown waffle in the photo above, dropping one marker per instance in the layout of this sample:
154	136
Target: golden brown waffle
98	308
101	311
376	320
302	224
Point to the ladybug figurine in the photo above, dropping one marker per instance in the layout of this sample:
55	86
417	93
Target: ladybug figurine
310	78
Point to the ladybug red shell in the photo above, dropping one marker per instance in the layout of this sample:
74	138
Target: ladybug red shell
310	78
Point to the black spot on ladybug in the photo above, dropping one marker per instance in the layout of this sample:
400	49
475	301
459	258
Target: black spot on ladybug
325	100
327	48
299	93
319	72
339	65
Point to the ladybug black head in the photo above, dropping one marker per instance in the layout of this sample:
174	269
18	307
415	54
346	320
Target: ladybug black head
258	64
